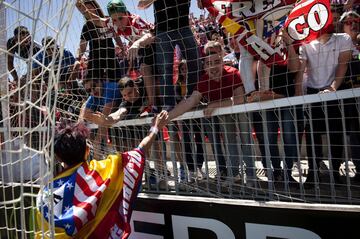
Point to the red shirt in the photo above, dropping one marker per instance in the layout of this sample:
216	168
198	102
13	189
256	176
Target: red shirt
220	90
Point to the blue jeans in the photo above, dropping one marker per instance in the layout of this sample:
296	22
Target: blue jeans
286	122
226	125
213	131
165	46
192	132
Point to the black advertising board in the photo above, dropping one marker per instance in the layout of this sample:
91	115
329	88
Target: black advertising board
221	219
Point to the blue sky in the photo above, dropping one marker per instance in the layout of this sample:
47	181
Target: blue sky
50	13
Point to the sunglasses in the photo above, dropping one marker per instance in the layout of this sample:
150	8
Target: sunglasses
119	18
351	21
24	33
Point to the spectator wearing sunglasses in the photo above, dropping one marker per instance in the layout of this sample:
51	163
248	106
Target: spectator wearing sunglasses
350	24
20	44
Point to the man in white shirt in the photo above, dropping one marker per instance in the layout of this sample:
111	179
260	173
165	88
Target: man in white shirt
325	61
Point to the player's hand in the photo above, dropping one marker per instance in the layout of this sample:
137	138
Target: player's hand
161	119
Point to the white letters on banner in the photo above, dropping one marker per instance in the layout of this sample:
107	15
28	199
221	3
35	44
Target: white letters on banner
316	19
245	9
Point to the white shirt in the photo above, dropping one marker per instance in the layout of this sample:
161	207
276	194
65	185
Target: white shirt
322	59
22	164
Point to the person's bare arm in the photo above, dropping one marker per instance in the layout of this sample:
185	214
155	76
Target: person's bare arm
344	59
200	4
238	98
11	68
117	116
94	117
74	72
82	48
159	122
97	118
299	78
293	57
185	105
144	41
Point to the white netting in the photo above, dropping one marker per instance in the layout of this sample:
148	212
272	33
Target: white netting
249	148
29	86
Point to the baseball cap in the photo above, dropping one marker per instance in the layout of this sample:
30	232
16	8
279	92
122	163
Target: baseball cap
116	6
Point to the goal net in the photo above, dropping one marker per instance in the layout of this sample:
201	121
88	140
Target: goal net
28	96
263	126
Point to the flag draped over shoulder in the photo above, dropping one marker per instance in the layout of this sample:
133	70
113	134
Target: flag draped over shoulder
309	19
92	200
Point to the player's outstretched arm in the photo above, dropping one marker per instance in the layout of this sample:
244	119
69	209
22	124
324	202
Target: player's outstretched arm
158	123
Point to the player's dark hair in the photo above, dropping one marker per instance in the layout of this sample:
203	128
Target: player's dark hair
21	30
70	142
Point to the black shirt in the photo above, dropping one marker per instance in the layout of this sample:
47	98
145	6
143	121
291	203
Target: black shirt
22	51
171	14
352	76
282	81
135	109
102	63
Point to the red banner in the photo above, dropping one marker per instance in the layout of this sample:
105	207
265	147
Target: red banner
242	9
226	11
309	19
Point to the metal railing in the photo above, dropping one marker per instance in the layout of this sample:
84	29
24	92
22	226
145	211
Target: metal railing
262	151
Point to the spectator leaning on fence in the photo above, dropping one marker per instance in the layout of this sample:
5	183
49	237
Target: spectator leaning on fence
350	24
221	86
326	62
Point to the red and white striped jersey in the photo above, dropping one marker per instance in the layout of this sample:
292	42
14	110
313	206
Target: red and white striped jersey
137	28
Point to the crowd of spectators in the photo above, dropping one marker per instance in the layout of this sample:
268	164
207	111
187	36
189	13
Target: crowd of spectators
127	68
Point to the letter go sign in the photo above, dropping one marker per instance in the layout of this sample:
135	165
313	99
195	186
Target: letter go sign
300	25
